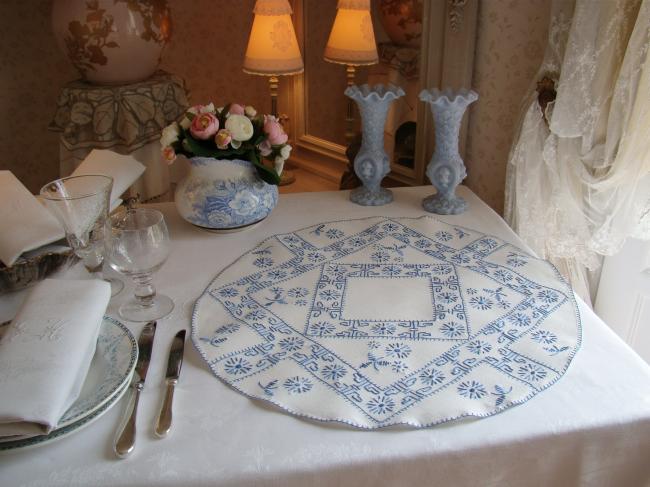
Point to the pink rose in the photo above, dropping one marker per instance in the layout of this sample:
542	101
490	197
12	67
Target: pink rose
274	131
265	147
204	126
168	154
236	109
222	139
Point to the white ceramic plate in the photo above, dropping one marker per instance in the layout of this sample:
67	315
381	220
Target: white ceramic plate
110	371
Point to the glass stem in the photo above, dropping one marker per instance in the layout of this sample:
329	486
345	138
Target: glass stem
144	290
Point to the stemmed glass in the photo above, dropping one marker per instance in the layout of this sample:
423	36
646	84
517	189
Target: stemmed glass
137	245
81	203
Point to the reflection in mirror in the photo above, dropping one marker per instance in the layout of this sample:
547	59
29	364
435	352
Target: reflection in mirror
397	26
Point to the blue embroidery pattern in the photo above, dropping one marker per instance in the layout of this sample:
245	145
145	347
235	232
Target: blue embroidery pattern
483	322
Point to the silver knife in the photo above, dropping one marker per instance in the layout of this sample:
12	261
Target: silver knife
174	363
125	439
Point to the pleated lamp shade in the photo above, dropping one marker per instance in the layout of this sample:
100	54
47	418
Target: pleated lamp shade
352	39
272	45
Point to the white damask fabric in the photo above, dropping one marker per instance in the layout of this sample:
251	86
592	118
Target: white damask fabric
579	186
384	321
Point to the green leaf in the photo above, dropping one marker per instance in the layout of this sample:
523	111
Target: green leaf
267	174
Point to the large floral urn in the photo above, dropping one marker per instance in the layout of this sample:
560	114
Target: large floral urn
224	195
112	41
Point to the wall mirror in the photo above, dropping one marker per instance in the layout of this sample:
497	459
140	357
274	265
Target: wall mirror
421	43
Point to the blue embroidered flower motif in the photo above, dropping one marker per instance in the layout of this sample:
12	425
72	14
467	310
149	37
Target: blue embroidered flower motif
481	302
503	275
389	227
422	244
460	259
472	390
490	243
544	336
380	256
444	236
333	372
398	350
329	295
471	290
399	367
431	377
301	302
452	329
519	319
291	239
229	292
383	329
291	344
440	270
391	270
447	297
334	233
263	262
531	372
297	292
381	404
357	241
297	385
547	296
373	344
516	260
255	315
321	328
497	293
277	274
229	328
315	257
478	347
237	366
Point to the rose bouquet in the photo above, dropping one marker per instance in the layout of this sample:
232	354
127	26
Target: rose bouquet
229	132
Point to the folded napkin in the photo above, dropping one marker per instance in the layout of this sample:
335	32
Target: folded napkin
46	352
124	170
17	206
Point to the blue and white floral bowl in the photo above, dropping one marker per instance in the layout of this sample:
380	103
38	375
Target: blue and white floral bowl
219	194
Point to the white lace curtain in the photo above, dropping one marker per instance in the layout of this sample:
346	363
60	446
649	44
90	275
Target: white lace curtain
578	186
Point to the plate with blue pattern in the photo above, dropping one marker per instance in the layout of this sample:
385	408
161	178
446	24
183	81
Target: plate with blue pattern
110	372
388	321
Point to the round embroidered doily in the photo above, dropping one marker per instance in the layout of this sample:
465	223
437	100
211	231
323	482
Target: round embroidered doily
380	321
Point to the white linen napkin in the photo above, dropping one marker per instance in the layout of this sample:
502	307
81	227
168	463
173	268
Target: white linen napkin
124	170
24	223
46	352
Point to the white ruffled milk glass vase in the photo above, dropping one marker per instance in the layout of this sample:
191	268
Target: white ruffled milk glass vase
446	169
372	163
224	195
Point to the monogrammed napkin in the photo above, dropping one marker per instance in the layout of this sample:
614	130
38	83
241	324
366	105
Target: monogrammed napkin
46	352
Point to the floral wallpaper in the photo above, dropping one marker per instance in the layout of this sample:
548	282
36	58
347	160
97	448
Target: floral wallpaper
509	49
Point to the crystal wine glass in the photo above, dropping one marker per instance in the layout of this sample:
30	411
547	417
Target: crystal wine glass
81	203
137	245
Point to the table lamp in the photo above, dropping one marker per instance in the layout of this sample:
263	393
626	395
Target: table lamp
273	50
352	42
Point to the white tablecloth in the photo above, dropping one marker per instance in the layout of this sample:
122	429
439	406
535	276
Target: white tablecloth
591	428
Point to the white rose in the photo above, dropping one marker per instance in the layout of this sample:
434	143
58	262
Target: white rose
208	108
169	135
285	152
240	127
279	165
250	111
